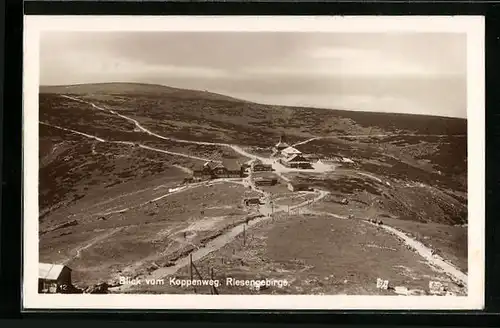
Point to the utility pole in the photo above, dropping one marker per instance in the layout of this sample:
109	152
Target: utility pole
214	289
191	270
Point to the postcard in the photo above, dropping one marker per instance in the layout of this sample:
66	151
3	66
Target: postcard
183	162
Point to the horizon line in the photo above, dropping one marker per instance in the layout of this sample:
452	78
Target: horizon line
250	101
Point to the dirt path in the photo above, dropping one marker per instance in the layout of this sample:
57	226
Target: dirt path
432	260
278	168
170	193
128	143
94	241
183	169
371	176
74	131
305	141
222	240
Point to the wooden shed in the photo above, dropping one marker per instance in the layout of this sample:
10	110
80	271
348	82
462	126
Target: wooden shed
52	276
297	186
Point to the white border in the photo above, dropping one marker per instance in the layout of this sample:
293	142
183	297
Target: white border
473	26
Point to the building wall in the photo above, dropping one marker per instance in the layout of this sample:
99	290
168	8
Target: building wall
47	286
217	173
298	165
227	174
52	286
297	187
65	276
261	167
266	183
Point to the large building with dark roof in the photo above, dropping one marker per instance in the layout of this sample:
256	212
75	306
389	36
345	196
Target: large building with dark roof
216	170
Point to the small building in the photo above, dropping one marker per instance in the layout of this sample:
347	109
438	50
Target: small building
203	172
261	167
290	151
298	186
252	201
228	169
52	276
215	170
333	159
264	181
297	161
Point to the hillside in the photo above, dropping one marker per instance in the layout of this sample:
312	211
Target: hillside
132	89
303	119
110	154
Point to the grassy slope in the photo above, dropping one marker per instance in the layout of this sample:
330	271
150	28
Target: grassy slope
70	171
77	172
324	258
227	114
188	114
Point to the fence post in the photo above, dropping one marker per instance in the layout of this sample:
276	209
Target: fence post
211	278
215	291
244	235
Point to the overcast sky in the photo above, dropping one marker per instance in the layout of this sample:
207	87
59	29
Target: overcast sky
408	73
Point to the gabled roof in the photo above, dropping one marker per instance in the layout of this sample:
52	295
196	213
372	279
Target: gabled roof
281	144
49	271
218	165
291	150
296	158
260	179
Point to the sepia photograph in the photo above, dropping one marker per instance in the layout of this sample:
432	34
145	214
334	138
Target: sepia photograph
243	162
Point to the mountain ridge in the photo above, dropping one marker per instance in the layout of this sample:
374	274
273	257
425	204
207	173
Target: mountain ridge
151	88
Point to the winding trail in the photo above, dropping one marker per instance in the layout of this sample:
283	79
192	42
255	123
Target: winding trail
306	141
230	235
432	260
130	143
74	131
189	187
278	168
220	241
94	241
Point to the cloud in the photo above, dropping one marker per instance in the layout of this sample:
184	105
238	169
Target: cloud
93	64
338	53
409	67
372	62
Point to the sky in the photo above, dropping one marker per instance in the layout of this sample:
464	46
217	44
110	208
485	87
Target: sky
419	73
